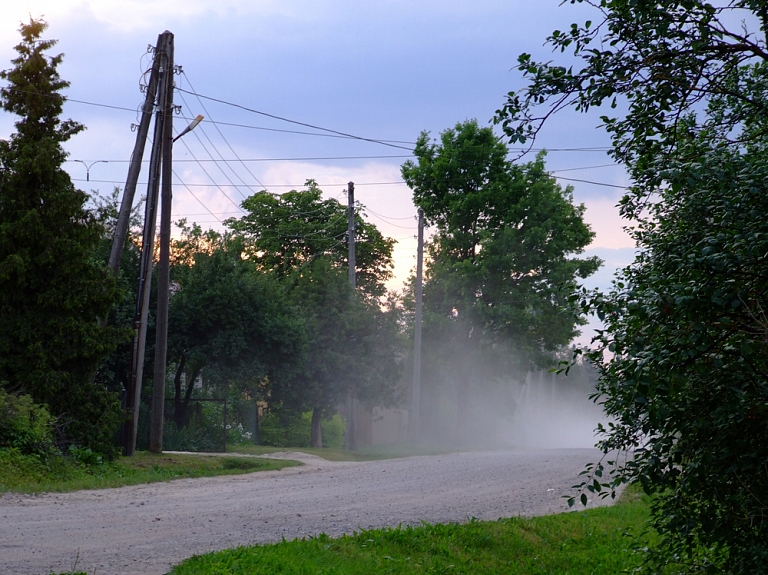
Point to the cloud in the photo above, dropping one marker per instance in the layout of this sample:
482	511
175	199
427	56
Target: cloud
603	216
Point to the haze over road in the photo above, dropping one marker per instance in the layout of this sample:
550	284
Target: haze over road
146	529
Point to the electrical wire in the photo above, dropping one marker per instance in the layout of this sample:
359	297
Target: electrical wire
306	125
216	163
593	183
221	134
210	178
306	159
195	196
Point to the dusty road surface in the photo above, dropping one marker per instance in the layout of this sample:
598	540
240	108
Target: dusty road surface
146	529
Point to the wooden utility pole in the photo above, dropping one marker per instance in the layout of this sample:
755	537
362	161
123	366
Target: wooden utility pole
124	217
163	267
415	417
351	435
351	232
162	51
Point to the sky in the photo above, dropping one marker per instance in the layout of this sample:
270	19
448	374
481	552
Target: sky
384	70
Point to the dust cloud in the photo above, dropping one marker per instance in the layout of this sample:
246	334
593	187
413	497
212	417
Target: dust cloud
539	410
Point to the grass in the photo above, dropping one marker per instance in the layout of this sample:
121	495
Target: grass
28	474
371	453
593	542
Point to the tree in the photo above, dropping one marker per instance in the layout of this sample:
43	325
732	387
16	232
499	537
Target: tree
51	289
287	231
227	320
687	378
501	266
352	342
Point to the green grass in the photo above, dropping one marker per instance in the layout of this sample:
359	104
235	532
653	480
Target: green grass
329	454
371	453
28	474
593	542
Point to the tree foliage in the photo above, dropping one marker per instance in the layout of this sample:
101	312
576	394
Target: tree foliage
288	231
51	289
352	341
228	320
682	358
502	259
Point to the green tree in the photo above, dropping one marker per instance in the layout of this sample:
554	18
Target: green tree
227	320
51	289
501	266
287	231
687	378
352	342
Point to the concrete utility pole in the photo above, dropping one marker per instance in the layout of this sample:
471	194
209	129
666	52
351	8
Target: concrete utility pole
351	435
163	268
416	391
163	61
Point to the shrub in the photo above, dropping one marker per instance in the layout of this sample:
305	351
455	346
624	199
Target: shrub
190	438
25	425
294	430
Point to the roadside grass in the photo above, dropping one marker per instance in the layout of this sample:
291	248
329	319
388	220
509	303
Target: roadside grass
325	453
593	542
30	474
371	453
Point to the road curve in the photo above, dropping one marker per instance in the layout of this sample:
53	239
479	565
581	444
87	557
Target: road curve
145	529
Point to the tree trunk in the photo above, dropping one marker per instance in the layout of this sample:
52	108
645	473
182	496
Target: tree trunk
317	430
177	389
181	415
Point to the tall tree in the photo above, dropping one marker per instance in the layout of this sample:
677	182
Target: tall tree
352	342
51	289
687	382
228	321
287	231
501	266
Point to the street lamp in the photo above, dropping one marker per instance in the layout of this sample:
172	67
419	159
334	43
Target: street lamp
192	125
88	166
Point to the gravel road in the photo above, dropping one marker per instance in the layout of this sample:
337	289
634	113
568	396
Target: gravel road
145	529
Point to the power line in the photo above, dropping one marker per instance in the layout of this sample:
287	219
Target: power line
222	137
306	125
216	163
303	159
333	133
210	178
591	182
195	196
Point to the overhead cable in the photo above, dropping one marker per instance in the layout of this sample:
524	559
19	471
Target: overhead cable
222	137
306	125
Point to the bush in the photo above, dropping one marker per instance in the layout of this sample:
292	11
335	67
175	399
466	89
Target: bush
333	431
295	430
25	425
280	429
190	438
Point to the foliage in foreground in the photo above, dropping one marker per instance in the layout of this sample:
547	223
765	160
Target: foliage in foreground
686	328
594	542
85	470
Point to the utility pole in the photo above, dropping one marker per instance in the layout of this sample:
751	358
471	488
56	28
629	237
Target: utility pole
123	219
351	438
162	53
351	231
416	391
163	268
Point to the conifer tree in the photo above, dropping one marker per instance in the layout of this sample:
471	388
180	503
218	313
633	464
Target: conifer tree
51	287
